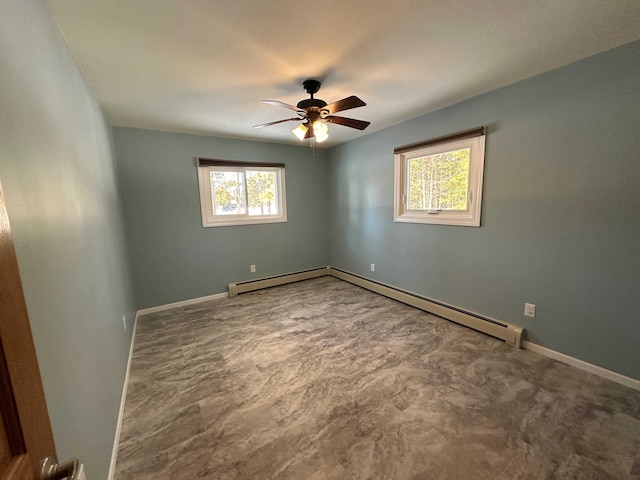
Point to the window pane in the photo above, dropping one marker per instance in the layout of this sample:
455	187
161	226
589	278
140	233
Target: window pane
227	190
262	192
439	182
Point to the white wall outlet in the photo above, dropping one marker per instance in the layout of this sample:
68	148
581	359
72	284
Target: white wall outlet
529	310
373	267
124	322
252	268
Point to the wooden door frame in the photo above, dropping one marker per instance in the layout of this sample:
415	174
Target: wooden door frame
23	402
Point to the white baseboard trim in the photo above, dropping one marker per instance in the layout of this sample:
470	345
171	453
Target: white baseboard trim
183	303
116	439
582	365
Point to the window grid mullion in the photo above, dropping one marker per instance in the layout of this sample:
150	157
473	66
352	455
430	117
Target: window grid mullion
246	192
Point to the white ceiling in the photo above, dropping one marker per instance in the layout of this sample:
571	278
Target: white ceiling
202	66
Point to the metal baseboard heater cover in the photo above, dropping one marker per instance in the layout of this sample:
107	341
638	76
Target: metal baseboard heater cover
511	334
251	285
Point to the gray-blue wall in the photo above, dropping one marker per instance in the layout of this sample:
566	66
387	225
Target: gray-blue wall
560	215
58	174
173	257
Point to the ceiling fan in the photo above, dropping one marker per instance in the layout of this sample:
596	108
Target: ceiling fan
314	114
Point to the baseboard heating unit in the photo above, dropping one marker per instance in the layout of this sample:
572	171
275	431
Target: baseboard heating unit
511	334
251	285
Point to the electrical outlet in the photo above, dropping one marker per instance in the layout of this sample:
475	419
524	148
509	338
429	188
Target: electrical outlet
373	267
124	322
252	268
529	310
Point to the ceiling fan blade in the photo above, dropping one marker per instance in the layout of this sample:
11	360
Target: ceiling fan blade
296	119
344	104
285	105
347	122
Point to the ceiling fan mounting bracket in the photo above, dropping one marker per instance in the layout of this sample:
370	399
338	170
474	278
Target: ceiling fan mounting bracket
311	86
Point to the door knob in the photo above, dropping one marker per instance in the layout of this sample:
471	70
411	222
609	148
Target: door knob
71	470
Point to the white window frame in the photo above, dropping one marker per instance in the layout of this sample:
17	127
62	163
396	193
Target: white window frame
469	217
209	219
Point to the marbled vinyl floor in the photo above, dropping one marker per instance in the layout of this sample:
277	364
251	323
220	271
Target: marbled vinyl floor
324	380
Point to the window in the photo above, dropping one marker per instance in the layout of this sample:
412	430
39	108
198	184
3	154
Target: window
241	193
440	181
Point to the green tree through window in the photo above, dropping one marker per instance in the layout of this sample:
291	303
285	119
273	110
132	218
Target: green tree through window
439	181
227	189
261	189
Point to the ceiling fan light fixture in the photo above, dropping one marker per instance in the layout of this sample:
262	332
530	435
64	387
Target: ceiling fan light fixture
314	114
300	131
320	131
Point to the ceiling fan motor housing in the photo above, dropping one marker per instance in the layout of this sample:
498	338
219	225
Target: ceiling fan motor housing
312	103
